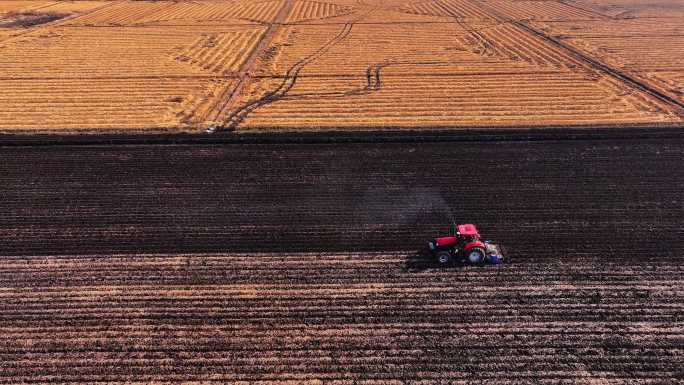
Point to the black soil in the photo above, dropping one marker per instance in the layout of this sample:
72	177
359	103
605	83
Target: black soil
618	198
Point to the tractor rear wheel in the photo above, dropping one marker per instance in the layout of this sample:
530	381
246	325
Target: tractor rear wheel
476	255
443	257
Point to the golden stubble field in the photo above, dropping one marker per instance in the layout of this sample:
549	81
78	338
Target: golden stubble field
151	66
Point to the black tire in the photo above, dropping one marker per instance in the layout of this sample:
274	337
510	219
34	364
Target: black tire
443	257
476	255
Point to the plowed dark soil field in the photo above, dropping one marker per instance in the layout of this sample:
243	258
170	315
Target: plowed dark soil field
621	198
301	263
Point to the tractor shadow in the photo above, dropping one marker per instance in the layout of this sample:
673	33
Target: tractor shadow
420	260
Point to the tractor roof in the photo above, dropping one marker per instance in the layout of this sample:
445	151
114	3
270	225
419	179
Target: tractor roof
468	230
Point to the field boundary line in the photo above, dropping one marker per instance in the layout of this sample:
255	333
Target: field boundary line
623	36
134	77
676	106
58	23
348	12
333	136
249	23
310	76
232	92
614	19
587	9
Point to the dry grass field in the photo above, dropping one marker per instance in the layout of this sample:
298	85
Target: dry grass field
264	65
651	50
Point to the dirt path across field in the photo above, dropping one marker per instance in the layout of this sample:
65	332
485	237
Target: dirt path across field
231	94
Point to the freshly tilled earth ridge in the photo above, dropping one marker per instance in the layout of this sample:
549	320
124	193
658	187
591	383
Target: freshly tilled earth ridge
614	199
338	318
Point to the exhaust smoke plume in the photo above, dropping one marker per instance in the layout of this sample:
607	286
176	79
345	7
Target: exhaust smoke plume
402	207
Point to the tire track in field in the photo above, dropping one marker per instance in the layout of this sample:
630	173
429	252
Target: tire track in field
373	81
232	93
481	41
288	82
290	78
676	106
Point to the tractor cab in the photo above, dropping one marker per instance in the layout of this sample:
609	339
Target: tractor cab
467	231
462	234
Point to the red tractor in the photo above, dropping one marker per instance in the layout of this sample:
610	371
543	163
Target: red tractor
466	246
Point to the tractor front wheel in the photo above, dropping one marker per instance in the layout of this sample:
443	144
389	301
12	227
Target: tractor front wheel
443	257
476	255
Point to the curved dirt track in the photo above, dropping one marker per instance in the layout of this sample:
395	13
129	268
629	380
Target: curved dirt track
617	198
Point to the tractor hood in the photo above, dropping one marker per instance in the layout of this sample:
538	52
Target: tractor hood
445	241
